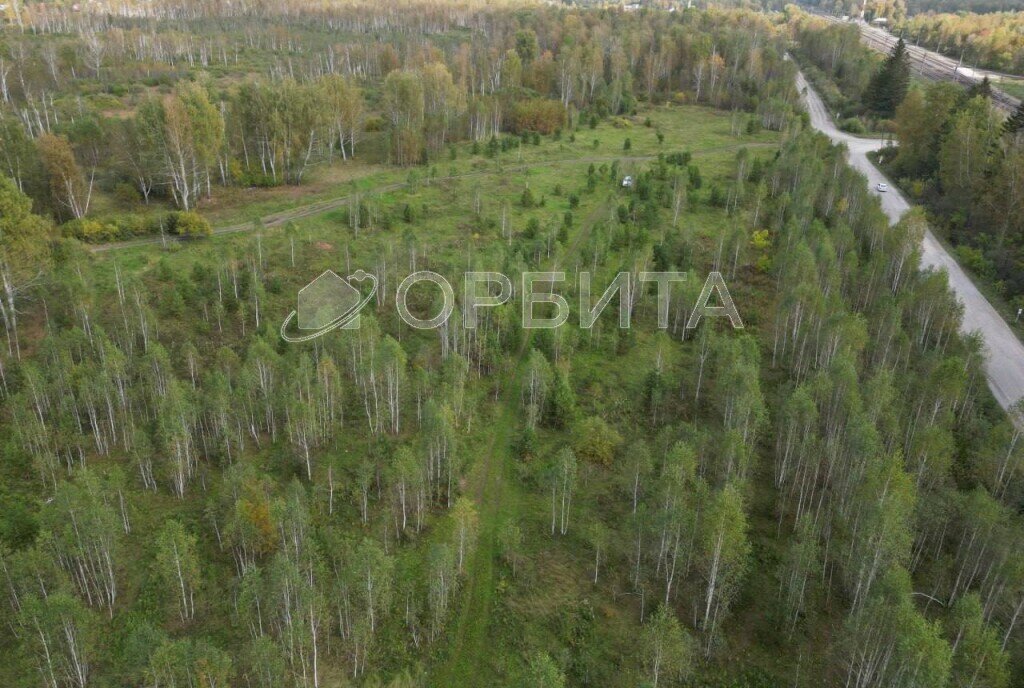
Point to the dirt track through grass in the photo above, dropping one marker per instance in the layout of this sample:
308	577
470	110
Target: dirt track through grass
319	207
466	662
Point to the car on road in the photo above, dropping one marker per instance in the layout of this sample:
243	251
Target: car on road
882	187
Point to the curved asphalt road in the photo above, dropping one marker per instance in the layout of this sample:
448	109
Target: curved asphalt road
1004	353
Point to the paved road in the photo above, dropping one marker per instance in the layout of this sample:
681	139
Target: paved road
1004	353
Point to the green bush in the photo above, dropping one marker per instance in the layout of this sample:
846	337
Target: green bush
130	225
251	177
90	231
596	441
679	159
127	195
115	228
696	181
717	199
852	125
189	224
527	199
975	261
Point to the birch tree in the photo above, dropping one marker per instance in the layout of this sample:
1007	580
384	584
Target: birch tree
68	186
723	554
978	659
84	532
667	649
60	635
24	255
188	131
562	477
466	520
346	108
178	567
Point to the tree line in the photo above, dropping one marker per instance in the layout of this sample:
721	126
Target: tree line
74	124
990	41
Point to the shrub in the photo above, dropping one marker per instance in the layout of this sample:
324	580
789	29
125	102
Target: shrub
696	181
127	195
118	227
492	148
89	231
679	159
251	177
975	261
596	441
539	115
189	224
852	125
527	200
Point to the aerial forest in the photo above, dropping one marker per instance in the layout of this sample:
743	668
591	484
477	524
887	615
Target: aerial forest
826	494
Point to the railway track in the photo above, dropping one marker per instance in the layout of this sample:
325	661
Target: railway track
931	65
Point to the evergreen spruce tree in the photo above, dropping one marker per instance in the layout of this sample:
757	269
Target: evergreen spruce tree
1015	123
983	89
888	87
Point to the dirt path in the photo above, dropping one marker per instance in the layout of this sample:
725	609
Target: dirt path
466	662
318	207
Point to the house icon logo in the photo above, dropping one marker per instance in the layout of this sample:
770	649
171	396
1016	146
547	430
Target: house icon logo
328	303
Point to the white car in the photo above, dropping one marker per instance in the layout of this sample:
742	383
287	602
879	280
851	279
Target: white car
627	182
882	187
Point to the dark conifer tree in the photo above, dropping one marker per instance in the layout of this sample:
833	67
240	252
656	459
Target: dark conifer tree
888	87
983	89
1015	122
